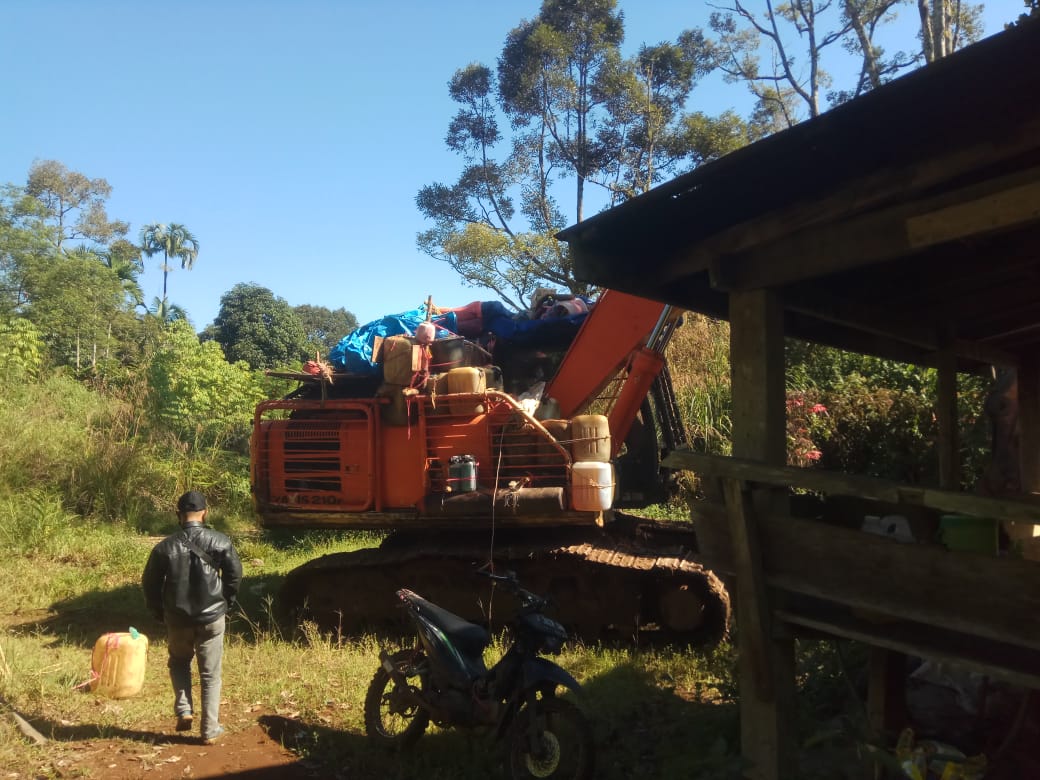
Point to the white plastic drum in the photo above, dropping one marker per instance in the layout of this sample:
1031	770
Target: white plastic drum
592	486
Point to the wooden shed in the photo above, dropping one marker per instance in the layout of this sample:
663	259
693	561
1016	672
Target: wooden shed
904	224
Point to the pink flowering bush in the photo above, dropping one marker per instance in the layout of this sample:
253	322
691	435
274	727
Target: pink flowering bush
808	425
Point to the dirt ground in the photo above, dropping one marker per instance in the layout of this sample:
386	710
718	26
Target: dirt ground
251	748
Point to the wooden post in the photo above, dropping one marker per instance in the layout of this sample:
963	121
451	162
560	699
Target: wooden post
766	673
1022	534
946	412
1029	423
886	678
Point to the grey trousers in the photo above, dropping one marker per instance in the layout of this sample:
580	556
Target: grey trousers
206	642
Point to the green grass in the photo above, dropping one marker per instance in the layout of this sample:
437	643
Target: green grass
655	713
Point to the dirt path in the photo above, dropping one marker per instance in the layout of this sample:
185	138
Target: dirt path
250	751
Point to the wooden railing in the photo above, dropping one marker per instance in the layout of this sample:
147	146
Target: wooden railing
920	599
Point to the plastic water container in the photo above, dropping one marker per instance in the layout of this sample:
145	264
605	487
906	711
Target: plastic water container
400	360
590	438
968	533
462	473
118	664
465	379
592	486
892	526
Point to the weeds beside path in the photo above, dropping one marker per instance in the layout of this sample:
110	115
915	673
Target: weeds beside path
291	704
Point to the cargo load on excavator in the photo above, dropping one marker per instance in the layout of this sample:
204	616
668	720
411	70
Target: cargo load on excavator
476	436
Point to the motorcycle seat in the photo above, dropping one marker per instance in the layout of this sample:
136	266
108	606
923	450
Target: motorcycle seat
468	637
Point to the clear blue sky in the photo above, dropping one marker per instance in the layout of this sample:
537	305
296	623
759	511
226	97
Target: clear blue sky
290	136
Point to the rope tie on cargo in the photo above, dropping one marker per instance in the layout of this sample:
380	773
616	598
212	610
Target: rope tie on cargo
111	642
494	495
511	499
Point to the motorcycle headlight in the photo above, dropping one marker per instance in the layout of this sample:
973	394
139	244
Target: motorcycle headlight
553	635
553	643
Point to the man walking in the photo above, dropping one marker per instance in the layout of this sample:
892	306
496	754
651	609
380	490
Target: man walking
190	582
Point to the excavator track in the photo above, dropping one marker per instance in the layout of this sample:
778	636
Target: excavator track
631	588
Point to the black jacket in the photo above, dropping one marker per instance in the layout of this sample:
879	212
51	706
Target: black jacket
181	587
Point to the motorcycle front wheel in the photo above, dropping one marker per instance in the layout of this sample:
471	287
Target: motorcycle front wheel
392	718
554	740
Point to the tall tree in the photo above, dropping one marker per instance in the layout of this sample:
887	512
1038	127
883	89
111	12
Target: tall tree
73	204
20	353
256	326
173	240
124	258
946	26
475	228
779	52
580	115
194	392
550	81
324	327
24	239
74	301
165	312
647	133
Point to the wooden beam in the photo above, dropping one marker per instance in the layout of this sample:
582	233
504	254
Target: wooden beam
1010	207
1014	664
878	321
1024	508
865	239
856	196
970	593
975	594
867	319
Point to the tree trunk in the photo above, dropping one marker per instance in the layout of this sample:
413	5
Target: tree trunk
924	8
870	64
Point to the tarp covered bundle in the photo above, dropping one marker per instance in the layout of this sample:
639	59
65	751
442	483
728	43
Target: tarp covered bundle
354	352
551	321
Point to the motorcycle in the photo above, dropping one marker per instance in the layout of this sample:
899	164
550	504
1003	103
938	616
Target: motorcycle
443	678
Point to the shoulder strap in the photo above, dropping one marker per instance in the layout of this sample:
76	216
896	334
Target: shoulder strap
197	550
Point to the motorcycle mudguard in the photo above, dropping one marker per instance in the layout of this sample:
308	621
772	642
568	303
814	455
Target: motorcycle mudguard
537	673
539	670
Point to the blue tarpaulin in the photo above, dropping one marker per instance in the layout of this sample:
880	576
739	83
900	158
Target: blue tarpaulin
354	351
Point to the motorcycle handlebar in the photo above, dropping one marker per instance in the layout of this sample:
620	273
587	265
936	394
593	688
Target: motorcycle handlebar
512	584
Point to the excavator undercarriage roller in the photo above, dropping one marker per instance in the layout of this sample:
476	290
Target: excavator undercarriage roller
603	587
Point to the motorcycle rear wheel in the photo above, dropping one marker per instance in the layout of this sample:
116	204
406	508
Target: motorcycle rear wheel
554	741
391	719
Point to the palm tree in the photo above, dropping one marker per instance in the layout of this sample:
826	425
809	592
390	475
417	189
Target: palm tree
166	312
172	240
125	259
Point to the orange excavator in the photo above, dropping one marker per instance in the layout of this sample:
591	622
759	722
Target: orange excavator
527	459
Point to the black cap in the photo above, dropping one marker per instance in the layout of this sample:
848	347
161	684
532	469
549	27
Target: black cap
192	501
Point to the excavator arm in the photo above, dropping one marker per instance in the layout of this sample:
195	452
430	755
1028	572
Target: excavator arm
623	338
